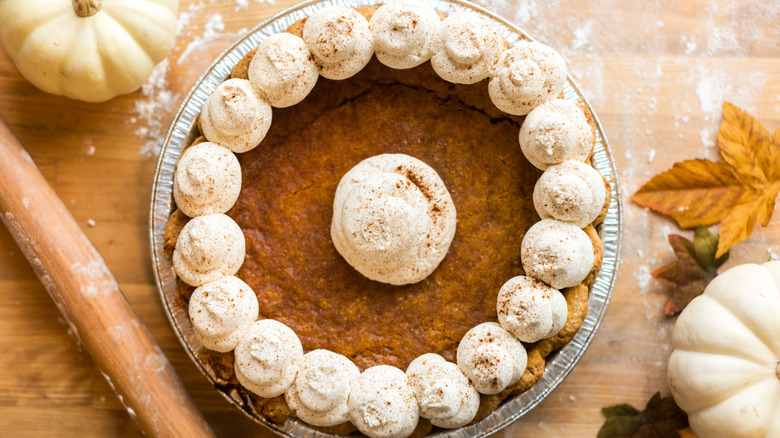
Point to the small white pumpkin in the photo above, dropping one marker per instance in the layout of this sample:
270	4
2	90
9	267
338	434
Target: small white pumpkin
90	50
725	367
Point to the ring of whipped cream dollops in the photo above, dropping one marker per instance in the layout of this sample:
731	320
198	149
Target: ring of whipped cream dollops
325	388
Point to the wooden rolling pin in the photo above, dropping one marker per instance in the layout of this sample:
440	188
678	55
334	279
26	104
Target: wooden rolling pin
90	300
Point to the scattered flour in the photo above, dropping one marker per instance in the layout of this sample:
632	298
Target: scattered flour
242	5
642	277
157	101
722	40
713	87
709	93
213	30
690	46
582	35
707	137
662	333
89	150
525	11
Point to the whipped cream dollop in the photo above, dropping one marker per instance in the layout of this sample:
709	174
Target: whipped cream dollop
268	358
234	116
405	33
444	393
220	311
340	40
382	404
526	76
558	253
554	132
320	393
530	309
571	192
207	180
208	248
283	70
393	219
468	49
491	357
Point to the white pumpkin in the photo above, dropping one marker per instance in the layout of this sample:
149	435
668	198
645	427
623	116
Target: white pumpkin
88	50
725	367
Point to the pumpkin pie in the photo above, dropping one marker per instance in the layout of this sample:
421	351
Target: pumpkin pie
512	283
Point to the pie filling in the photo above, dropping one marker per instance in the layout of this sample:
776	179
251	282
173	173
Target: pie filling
286	205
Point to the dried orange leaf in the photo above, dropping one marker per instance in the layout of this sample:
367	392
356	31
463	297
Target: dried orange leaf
744	143
773	157
754	206
698	192
737	193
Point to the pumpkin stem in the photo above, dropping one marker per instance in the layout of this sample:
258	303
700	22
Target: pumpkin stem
87	8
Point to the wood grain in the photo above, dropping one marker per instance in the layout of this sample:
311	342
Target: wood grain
655	72
89	299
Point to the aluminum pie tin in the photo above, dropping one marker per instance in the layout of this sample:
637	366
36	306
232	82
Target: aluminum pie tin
183	131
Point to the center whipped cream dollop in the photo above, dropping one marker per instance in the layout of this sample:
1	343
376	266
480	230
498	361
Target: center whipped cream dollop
445	395
320	393
382	404
393	219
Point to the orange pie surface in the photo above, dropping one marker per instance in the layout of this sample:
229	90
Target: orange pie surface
286	205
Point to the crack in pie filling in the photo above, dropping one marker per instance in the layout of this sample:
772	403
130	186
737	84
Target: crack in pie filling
416	244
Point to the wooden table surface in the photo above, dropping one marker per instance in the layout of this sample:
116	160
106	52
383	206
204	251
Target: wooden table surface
655	71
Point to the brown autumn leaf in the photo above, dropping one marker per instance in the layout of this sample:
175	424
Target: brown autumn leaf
694	269
738	193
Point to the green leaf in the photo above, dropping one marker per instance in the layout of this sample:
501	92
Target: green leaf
706	245
620	427
624	409
661	418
